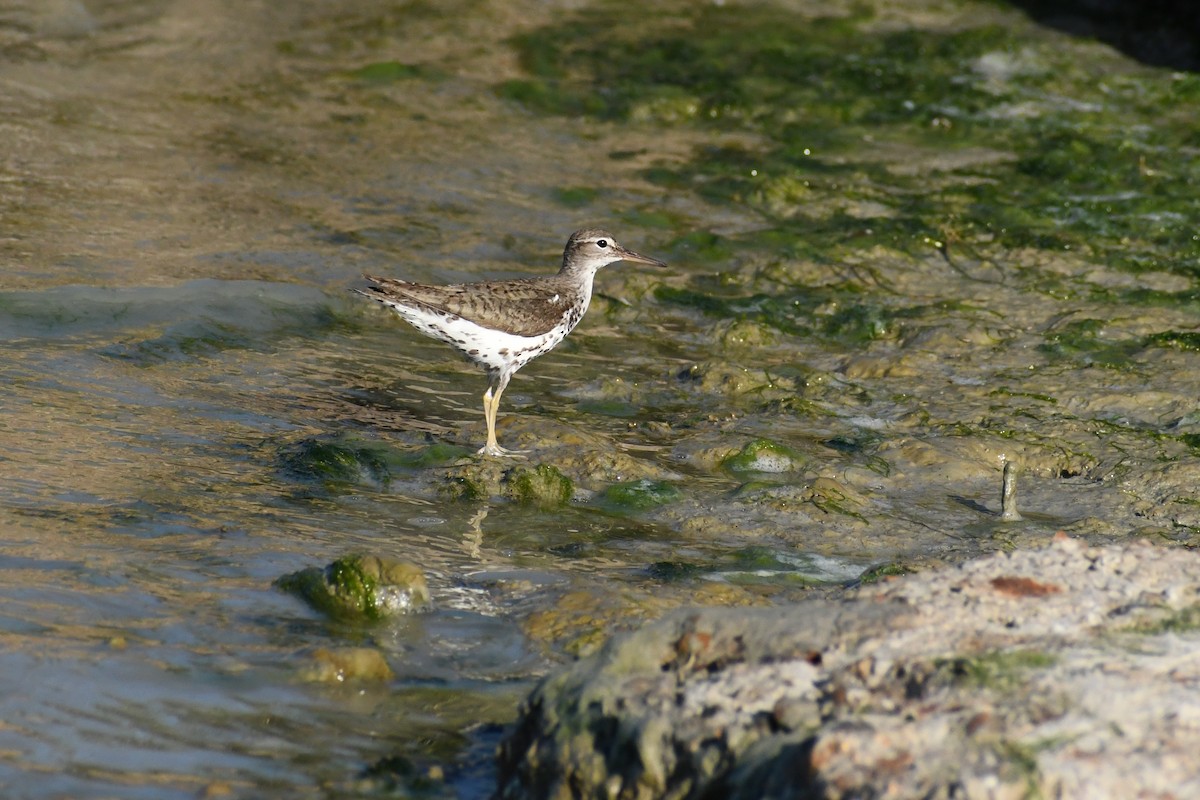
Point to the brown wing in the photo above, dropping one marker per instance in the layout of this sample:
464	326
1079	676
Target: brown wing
527	307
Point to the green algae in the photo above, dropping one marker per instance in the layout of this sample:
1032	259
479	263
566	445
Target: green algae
860	322
638	495
576	196
543	486
676	571
434	455
463	488
1083	342
702	246
385	72
755	565
1009	164
196	340
791	314
837	313
833	498
1001	670
339	461
359	588
1182	620
764	455
885	571
726	65
346	664
1021	758
1180	340
1186	300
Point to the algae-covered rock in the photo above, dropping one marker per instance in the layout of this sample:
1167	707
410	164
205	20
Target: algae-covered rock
836	497
471	479
360	587
763	455
334	461
341	664
639	495
543	486
745	334
463	487
884	572
434	455
563	462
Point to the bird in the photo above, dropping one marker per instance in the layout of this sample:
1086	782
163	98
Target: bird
503	325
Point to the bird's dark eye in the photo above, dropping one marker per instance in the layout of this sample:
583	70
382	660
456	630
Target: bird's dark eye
601	243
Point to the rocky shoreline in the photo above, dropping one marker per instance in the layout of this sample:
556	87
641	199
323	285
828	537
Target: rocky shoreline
1066	671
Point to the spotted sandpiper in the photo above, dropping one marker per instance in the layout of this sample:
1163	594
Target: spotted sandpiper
503	325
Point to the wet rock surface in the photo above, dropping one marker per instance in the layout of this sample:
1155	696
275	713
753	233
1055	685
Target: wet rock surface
358	587
1067	671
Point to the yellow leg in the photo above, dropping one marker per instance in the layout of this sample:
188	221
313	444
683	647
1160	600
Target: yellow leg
491	404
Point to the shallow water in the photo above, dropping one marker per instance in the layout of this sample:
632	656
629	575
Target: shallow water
845	349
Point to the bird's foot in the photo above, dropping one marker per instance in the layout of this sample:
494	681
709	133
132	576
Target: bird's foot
497	450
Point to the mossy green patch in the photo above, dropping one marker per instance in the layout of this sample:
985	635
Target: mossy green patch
543	486
840	313
789	314
1001	670
1181	620
1181	340
336	461
883	572
758	565
540	96
463	487
576	196
976	145
763	455
860	322
193	340
1186	300
434	455
1021	759
721	65
639	495
1082	342
702	246
359	587
757	558
675	571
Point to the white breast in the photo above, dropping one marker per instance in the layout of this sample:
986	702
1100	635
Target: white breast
491	349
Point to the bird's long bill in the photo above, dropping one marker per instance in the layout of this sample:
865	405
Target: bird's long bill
629	255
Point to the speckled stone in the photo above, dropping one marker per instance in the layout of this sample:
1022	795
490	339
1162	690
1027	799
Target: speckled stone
1066	671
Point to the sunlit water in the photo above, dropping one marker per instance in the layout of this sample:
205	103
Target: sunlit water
145	653
186	193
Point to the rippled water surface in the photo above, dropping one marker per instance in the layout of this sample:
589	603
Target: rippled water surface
855	333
